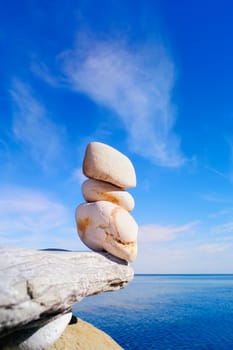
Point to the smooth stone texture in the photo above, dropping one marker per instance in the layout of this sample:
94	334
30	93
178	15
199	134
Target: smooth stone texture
103	162
95	190
103	225
84	336
39	338
38	285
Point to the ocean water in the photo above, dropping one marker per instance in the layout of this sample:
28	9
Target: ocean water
166	312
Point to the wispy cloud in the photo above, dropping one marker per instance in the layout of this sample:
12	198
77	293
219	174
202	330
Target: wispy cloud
227	174
32	218
185	257
216	198
214	247
226	228
41	69
150	233
220	213
217	172
32	127
136	84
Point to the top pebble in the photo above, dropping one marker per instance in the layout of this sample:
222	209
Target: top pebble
103	162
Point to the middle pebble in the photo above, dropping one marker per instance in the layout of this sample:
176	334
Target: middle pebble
95	190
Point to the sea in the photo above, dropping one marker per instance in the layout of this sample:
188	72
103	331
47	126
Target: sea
166	312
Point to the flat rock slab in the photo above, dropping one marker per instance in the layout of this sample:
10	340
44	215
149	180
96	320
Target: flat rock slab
38	285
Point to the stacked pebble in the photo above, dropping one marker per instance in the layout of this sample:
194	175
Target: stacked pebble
104	222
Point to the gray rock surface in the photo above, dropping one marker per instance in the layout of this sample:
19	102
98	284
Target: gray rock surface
38	285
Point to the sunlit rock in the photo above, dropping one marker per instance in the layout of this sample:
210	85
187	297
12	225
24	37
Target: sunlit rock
103	162
95	190
103	225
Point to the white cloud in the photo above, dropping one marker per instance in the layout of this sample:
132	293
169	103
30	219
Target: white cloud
213	247
188	248
136	84
41	70
217	172
33	219
220	213
150	233
223	228
216	198
31	126
185	257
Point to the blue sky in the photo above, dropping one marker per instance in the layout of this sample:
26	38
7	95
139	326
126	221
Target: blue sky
153	79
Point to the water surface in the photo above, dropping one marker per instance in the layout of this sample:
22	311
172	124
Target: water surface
166	312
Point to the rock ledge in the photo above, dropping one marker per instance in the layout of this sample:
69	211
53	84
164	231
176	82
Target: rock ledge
36	286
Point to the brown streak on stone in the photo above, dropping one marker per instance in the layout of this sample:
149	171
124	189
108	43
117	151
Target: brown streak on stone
114	221
103	227
110	236
109	197
83	224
